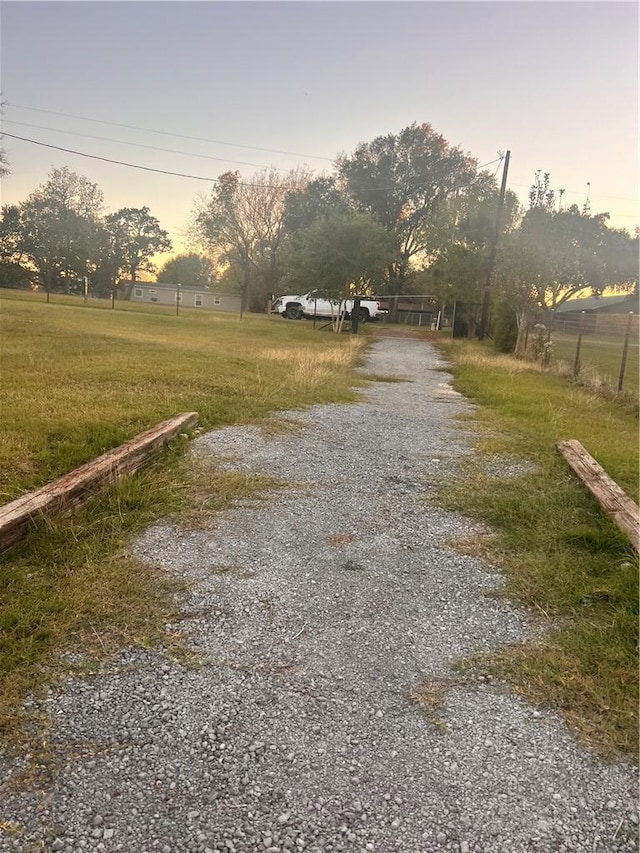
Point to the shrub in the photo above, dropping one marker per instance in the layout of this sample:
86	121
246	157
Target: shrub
505	331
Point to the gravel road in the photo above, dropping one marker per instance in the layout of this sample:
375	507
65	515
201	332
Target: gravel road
326	619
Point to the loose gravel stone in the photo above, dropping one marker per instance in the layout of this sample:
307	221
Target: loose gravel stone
297	732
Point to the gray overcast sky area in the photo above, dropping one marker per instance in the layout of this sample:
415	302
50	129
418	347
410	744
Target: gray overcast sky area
554	82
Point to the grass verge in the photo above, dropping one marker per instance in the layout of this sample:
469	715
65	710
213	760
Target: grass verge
78	380
600	360
561	556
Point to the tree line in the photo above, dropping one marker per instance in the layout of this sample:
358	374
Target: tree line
61	235
406	213
409	213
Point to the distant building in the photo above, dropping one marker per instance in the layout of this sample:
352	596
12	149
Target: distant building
167	294
603	314
412	309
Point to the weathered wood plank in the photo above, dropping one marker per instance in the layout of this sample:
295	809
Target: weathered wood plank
78	485
613	500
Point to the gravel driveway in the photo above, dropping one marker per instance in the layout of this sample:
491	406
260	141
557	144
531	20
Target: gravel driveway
326	619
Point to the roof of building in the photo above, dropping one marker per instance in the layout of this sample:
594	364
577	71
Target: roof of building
191	288
595	303
162	285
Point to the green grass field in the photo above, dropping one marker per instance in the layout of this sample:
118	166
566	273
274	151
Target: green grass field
80	379
562	557
600	359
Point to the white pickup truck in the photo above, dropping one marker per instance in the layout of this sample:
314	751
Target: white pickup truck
309	305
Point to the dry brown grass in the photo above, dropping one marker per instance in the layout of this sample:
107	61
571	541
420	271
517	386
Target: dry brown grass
207	488
485	547
313	369
430	696
279	425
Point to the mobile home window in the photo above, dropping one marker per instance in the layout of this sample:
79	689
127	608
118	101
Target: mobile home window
217	300
197	300
137	291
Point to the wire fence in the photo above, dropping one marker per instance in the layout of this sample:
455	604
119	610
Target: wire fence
596	347
599	325
600	348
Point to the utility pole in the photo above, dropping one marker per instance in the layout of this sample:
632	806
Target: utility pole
494	248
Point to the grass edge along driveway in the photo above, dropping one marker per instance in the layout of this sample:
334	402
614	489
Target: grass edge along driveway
78	380
561	556
73	586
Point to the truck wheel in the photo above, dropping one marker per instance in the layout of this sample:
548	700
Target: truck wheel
293	312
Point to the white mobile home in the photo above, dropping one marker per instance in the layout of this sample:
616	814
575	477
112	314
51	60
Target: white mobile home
168	294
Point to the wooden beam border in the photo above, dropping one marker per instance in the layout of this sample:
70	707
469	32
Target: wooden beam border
80	484
614	502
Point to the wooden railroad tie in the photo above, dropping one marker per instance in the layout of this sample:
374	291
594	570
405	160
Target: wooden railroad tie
77	486
614	502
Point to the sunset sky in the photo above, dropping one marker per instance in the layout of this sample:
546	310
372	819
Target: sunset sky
286	84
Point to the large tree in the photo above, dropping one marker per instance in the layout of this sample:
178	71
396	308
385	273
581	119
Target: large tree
242	223
188	269
59	224
13	271
104	280
11	250
608	257
462	237
340	256
554	256
136	238
304	205
403	180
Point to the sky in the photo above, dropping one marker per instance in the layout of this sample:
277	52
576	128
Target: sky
249	85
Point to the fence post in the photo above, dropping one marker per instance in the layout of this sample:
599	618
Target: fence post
625	350
576	362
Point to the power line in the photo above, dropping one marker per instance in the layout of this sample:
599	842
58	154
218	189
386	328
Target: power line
158	171
500	159
497	160
169	133
183	136
211	141
109	160
202	177
141	145
581	192
633	216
